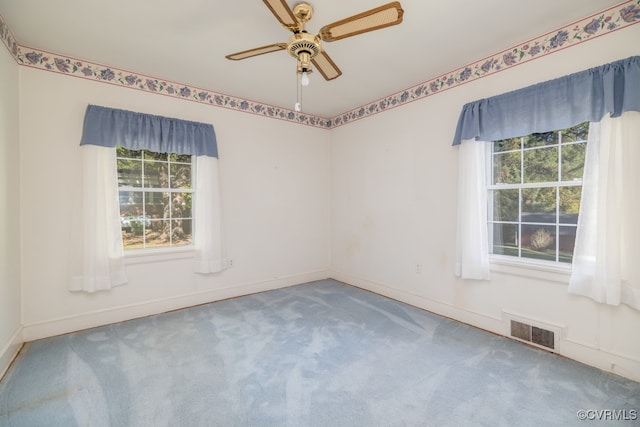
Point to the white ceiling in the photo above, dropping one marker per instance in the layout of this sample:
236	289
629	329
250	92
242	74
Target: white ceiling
185	42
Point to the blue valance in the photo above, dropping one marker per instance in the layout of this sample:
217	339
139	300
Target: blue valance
556	104
108	127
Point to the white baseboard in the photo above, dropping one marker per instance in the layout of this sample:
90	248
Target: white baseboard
610	361
63	325
607	360
479	320
10	350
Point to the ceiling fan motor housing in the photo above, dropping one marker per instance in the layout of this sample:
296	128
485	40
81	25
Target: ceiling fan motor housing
304	46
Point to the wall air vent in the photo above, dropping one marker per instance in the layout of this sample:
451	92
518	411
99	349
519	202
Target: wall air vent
533	332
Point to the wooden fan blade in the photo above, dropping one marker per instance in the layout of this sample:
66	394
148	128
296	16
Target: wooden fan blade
374	19
326	66
284	14
257	51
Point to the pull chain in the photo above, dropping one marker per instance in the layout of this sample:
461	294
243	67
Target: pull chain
298	106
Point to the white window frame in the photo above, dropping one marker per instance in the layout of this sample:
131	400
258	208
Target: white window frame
530	267
170	251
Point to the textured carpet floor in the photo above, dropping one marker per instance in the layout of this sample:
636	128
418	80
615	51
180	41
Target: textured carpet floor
319	354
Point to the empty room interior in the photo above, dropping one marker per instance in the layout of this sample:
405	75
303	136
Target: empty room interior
434	225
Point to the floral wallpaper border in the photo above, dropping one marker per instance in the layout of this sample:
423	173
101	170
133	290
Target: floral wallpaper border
612	19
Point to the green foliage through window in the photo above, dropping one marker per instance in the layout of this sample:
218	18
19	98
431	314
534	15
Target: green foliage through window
156	198
534	193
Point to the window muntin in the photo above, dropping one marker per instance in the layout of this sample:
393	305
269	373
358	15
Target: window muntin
534	194
156	198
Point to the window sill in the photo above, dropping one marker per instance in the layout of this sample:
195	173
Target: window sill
530	268
144	256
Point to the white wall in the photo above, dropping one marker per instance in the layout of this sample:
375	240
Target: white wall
393	206
10	322
275	185
379	195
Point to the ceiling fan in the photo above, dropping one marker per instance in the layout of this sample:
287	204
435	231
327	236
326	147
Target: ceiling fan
307	48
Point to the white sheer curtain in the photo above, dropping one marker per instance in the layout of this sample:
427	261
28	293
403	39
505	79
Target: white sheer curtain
97	259
97	262
472	248
606	260
208	214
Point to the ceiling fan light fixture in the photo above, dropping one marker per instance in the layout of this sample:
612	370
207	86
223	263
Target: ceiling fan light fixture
304	79
304	62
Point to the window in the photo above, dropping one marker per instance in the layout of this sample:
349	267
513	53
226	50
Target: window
156	198
534	194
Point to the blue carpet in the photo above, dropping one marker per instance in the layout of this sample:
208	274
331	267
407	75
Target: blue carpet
318	354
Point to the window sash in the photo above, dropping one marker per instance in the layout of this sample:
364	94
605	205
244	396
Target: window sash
143	189
492	187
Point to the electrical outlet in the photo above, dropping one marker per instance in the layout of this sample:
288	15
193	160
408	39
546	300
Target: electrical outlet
230	262
418	269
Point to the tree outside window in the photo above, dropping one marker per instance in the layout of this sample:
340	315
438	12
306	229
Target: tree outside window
156	198
534	194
